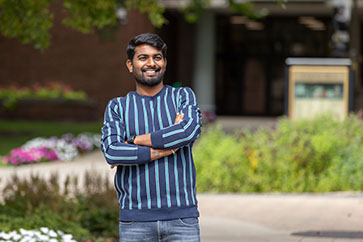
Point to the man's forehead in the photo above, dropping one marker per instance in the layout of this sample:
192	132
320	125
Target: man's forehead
146	49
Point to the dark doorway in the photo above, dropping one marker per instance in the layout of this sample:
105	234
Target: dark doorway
250	61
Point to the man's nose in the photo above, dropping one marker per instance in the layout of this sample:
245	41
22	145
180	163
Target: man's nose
150	62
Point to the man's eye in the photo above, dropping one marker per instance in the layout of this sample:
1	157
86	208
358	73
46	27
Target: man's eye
157	58
142	58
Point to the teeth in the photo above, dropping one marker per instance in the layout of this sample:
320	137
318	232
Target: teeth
150	72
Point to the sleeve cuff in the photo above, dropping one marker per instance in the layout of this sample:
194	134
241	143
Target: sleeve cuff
144	154
157	140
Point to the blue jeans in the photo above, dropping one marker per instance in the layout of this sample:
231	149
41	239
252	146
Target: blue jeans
185	229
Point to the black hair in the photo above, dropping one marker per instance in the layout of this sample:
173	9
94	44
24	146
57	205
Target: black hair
146	38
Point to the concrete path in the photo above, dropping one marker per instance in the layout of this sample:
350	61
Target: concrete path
231	124
329	217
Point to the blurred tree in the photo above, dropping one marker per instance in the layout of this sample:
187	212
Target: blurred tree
30	20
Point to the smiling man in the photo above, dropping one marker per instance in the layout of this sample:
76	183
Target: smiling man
148	135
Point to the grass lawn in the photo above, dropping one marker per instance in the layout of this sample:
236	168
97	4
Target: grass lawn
15	133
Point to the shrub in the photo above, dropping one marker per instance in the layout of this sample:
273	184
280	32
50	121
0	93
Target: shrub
42	234
53	90
317	155
85	213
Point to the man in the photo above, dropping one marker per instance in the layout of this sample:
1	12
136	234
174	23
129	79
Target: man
148	135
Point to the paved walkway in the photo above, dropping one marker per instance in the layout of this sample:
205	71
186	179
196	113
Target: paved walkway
233	123
329	217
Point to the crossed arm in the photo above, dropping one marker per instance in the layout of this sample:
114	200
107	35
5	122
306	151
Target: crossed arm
145	140
151	146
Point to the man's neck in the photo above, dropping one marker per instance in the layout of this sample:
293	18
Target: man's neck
149	91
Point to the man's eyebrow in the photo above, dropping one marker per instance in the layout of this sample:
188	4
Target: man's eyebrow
142	55
145	55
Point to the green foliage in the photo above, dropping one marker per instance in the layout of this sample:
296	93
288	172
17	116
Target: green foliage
27	20
98	206
247	10
11	95
194	10
282	3
317	155
86	15
41	218
152	8
86	213
30	21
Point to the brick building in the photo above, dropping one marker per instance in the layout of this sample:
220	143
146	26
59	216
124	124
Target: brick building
236	66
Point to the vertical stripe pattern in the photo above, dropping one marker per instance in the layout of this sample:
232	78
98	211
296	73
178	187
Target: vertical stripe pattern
165	183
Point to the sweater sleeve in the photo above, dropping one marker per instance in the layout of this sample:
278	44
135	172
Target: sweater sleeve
113	145
185	132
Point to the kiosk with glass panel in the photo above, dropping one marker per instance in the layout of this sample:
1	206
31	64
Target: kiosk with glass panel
317	86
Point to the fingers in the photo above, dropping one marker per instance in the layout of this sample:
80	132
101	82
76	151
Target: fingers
174	150
179	118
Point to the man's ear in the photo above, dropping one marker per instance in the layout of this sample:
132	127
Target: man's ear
129	65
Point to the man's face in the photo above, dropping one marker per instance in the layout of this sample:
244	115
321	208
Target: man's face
148	65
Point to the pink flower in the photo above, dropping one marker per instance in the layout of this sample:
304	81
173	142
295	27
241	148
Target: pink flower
6	159
20	156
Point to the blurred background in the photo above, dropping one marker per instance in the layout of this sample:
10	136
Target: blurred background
61	61
232	53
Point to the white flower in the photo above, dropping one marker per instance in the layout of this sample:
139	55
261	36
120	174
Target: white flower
43	237
35	233
67	238
6	236
16	237
52	233
12	234
65	151
44	234
25	239
45	230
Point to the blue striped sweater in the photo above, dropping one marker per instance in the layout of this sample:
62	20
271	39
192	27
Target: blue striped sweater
153	190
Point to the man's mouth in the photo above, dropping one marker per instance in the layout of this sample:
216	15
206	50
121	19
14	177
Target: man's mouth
151	71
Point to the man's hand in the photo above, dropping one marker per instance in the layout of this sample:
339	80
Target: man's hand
179	117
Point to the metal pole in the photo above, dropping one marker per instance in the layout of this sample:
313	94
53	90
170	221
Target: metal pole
355	48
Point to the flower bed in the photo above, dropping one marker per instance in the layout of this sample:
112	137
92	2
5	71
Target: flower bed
53	90
34	206
65	148
42	234
53	101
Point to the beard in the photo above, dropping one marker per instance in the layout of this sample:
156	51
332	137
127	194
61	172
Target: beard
150	81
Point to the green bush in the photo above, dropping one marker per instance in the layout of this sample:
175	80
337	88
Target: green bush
42	217
86	213
318	155
12	94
